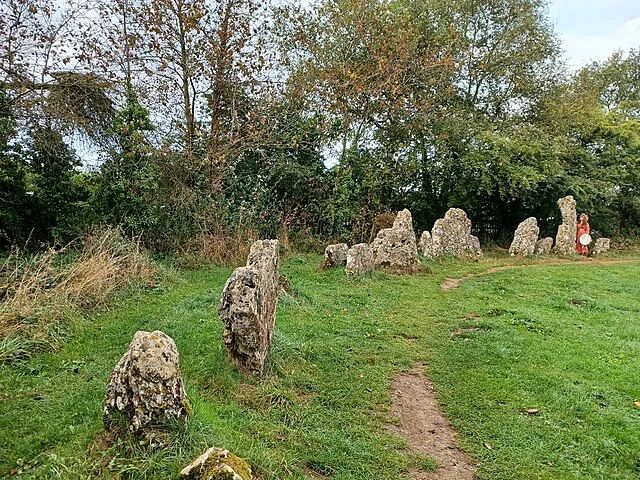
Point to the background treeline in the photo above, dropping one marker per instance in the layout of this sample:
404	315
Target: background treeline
207	121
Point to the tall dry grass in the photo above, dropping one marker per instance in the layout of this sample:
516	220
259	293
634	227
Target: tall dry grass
37	289
222	248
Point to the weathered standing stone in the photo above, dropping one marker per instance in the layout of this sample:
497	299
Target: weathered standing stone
359	259
543	246
335	255
600	246
146	386
248	307
403	221
474	246
264	255
425	244
566	237
217	463
451	235
525	238
395	248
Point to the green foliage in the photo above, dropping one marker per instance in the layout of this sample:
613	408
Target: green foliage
129	176
58	193
13	185
414	104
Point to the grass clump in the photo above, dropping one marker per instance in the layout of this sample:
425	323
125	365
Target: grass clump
39	290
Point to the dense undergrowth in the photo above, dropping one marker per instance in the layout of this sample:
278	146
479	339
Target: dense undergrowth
560	339
41	293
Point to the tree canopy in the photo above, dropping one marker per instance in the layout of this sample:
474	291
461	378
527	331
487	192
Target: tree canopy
206	117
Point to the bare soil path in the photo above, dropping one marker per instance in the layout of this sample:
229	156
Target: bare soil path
426	429
414	404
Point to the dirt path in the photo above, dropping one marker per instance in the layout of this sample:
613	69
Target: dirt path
451	283
426	429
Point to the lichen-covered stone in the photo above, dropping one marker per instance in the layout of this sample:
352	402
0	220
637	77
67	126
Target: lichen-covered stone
403	221
146	386
525	238
248	307
359	260
425	245
451	235
335	255
217	464
543	246
601	245
395	248
265	255
566	236
474	246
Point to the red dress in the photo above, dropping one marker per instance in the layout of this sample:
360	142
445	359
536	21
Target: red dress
582	229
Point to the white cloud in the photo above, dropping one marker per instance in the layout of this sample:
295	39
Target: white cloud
582	48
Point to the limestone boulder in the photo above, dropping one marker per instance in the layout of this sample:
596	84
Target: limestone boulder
146	387
335	255
601	245
425	245
403	221
359	260
248	307
217	463
566	236
474	246
543	246
451	235
395	248
525	238
264	254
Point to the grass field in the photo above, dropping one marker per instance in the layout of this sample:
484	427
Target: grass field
560	339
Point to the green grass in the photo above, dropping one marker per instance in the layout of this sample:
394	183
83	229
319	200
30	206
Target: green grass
561	339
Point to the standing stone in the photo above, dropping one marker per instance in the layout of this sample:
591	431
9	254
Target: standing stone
335	255
264	255
525	238
248	307
359	259
451	235
566	237
426	244
217	463
403	221
146	386
395	248
474	246
601	245
543	246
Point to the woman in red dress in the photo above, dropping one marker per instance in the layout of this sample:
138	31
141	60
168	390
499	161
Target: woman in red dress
583	227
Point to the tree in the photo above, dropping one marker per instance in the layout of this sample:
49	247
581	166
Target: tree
40	71
56	195
129	183
13	187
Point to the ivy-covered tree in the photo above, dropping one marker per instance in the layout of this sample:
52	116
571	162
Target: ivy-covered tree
56	193
129	182
13	187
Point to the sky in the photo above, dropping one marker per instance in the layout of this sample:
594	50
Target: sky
591	30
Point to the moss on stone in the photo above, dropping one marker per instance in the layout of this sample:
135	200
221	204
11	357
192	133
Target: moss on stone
219	465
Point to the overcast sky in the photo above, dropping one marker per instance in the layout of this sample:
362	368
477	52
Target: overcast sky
594	29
